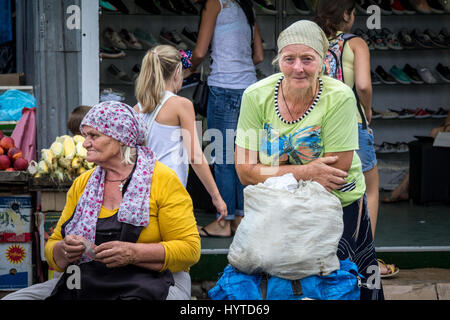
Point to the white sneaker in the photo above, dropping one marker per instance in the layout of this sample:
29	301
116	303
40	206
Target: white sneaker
426	75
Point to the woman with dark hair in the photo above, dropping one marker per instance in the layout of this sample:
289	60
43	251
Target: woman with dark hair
229	27
336	19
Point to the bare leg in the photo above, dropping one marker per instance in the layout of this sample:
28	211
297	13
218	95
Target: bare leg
372	192
217	228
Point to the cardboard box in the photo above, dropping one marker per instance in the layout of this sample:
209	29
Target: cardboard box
16	270
15	218
11	79
53	201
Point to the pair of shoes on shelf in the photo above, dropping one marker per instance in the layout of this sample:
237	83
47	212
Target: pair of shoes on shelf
122	40
122	75
399	75
427	39
410	75
385	77
403	113
172	38
384	5
443	72
111	53
387	147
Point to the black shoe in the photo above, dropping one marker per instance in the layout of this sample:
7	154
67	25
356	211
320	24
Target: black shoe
119	74
190	37
384	5
172	38
440	113
148	5
412	74
409	9
405	39
301	7
171	6
438	40
120	6
443	72
384	76
422	39
374	78
267	6
446	36
436	6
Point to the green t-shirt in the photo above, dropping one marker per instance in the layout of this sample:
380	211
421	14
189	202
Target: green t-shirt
329	126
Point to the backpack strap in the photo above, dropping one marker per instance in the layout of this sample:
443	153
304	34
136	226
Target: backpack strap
345	37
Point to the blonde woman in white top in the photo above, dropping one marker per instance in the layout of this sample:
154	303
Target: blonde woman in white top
172	134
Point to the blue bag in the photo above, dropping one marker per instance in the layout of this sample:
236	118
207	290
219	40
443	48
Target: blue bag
343	284
12	102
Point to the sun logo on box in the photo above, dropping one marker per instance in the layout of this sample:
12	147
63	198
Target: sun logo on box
15	254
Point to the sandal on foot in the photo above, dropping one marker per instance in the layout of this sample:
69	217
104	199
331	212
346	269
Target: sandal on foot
209	235
390	268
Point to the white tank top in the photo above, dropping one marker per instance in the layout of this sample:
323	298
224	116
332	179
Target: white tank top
232	63
167	142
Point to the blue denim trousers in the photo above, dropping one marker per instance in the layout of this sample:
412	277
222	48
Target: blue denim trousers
223	113
366	150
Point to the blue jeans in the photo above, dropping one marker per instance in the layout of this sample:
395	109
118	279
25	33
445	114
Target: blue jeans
223	113
366	150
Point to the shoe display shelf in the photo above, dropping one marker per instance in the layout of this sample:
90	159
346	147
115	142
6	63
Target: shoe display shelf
119	73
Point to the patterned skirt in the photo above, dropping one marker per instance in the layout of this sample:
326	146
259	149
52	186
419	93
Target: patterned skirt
357	245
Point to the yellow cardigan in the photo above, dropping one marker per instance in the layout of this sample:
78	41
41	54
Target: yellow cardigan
172	221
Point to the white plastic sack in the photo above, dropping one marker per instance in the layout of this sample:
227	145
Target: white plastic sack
288	232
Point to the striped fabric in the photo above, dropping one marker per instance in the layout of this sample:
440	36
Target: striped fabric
307	111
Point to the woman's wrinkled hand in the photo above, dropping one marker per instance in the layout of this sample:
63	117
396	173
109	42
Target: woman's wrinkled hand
72	248
115	254
321	171
220	206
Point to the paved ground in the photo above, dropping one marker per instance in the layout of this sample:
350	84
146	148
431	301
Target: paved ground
418	284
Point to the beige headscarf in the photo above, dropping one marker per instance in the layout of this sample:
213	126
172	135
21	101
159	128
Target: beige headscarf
304	32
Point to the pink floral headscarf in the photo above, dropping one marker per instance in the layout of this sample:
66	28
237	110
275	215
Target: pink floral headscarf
120	122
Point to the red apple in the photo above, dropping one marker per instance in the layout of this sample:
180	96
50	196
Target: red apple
14	154
1	151
4	162
21	164
7	143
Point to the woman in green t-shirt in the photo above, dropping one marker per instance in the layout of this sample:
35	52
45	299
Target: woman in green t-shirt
300	122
